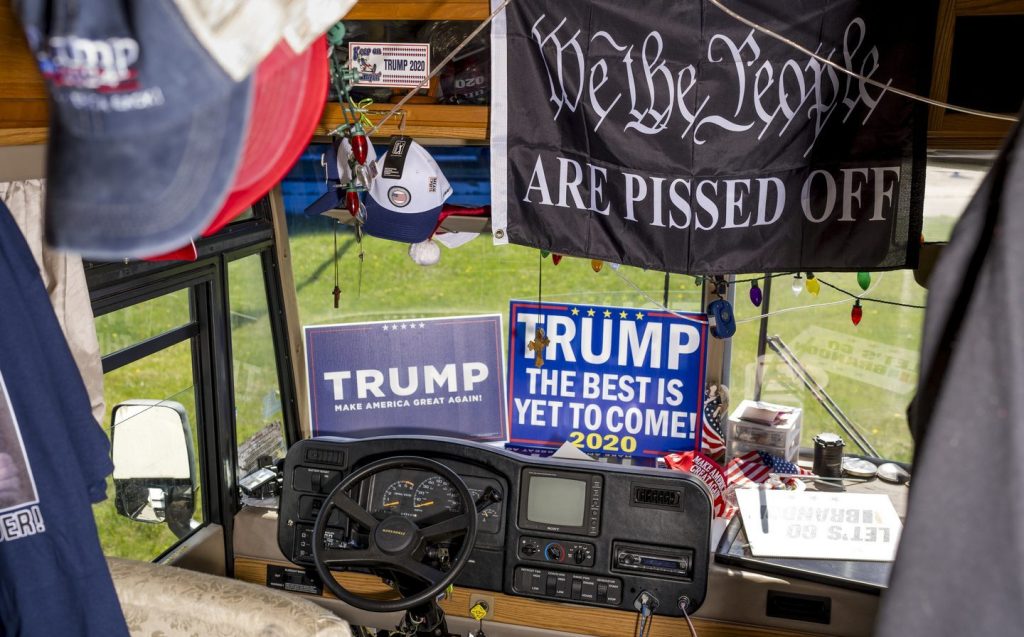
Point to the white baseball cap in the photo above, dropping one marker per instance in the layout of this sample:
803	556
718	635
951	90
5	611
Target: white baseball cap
405	206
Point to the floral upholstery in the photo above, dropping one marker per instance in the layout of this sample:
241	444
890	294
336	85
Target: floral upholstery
165	601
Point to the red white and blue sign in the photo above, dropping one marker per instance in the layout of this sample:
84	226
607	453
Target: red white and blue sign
439	376
611	380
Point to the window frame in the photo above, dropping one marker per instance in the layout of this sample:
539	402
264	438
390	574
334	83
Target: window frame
118	285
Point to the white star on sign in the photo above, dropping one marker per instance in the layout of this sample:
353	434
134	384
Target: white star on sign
403	326
422	325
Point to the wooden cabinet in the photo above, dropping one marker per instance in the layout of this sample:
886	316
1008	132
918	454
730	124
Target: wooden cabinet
24	114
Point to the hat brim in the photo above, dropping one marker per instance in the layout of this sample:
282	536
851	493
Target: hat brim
328	201
406	227
139	195
289	97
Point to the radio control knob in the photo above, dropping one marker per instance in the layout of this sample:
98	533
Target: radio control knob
579	556
530	548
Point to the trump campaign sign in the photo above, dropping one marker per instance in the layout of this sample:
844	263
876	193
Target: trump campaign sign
441	376
611	380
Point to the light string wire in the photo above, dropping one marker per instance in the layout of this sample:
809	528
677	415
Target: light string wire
437	69
867	80
860	297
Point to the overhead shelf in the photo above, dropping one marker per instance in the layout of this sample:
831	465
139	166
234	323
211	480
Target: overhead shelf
419	120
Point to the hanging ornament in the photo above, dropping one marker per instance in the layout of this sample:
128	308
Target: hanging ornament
856	313
755	294
556	258
798	284
596	265
360	148
864	280
812	284
545	254
698	281
352	202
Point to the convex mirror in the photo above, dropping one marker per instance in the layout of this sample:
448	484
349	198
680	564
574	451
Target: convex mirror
154	468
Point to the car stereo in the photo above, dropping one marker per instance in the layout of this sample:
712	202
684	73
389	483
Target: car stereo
560	502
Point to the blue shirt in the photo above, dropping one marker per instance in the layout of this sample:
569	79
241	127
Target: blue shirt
54	579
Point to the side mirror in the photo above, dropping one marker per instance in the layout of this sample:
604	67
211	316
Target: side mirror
154	468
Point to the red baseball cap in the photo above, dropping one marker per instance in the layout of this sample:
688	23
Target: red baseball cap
288	97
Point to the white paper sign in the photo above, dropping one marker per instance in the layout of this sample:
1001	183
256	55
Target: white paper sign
839	526
389	63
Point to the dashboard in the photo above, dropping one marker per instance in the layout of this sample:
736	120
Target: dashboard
573	531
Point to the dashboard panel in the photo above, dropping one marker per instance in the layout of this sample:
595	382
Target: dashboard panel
572	531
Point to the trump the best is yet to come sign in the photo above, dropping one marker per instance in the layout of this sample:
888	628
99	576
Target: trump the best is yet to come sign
611	380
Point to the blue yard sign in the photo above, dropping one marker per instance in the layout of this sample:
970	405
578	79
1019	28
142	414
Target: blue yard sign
612	380
442	376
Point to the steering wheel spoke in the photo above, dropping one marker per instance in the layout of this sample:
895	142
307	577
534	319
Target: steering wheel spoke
349	557
427	573
352	509
452	527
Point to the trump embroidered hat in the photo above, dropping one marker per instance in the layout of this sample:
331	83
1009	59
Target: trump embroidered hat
146	128
405	199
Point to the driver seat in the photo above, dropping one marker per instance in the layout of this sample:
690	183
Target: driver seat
168	601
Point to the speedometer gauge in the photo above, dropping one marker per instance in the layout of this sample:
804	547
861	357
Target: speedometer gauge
398	498
434	495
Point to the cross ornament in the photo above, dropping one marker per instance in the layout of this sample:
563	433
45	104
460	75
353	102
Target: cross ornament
537	345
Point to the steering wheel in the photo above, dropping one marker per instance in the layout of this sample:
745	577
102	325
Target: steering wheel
395	543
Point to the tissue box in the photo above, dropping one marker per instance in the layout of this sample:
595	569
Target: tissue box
761	426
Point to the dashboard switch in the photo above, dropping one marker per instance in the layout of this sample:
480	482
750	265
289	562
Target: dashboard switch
588	590
577	587
602	592
552	584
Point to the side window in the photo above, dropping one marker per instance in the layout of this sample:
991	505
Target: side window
150	392
258	413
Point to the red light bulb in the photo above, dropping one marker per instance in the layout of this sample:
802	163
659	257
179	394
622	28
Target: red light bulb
352	202
556	258
359	148
856	313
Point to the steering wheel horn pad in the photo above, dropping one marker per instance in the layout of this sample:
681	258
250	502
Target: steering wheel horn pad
396	544
396	535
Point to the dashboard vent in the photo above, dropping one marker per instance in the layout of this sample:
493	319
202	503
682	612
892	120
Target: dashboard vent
654	497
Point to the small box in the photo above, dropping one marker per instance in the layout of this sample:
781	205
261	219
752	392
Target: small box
761	426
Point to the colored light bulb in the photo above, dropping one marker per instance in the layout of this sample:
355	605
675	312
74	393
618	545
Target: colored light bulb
698	281
856	313
798	284
352	202
545	254
755	294
812	284
360	148
864	280
596	264
556	258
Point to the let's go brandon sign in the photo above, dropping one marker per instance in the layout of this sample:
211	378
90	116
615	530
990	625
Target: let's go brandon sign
668	135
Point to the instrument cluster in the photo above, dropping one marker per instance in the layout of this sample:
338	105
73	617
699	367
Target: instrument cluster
426	497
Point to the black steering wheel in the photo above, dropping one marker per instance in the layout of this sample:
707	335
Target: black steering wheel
395	543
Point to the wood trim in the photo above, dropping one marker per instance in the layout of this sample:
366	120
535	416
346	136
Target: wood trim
293	320
421	120
420	10
523	611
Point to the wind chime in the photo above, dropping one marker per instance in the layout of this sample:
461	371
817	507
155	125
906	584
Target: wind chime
353	130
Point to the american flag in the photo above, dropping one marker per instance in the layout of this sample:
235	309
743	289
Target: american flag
713	439
753	467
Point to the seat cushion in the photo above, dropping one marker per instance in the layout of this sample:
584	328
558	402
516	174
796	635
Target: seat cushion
172	602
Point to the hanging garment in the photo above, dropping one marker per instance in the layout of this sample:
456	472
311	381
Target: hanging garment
64	279
54	460
960	565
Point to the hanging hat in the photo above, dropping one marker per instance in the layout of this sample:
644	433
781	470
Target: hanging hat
146	128
339	175
405	199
